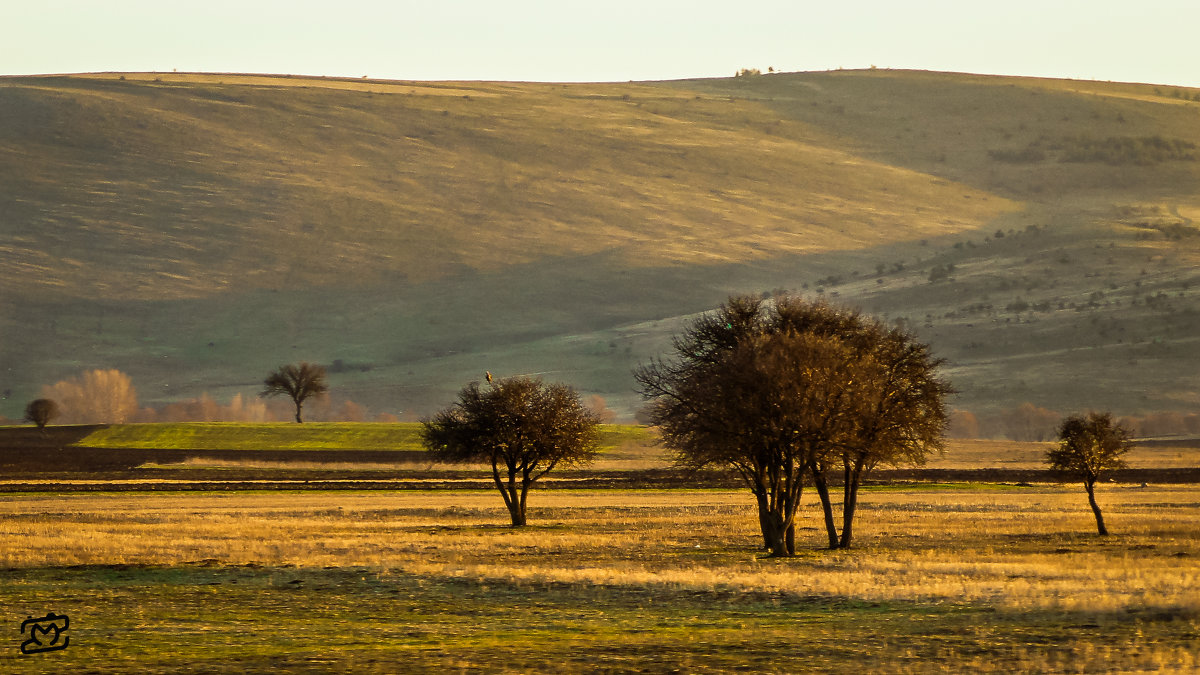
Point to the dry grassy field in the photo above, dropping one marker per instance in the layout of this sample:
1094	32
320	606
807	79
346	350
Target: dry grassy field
945	578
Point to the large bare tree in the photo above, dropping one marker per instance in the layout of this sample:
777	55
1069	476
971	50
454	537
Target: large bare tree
780	390
900	416
298	382
1090	446
521	427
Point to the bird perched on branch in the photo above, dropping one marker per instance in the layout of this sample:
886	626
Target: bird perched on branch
489	376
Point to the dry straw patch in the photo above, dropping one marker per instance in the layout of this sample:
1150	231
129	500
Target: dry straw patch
1025	549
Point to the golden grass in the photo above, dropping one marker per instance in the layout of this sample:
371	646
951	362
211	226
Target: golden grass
413	179
992	454
1019	550
584	196
258	436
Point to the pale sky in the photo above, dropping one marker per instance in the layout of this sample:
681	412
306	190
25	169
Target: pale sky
1152	41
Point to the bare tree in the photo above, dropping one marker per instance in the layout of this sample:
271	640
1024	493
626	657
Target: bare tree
41	411
95	397
298	382
1089	447
901	418
520	426
779	391
1028	422
963	424
599	405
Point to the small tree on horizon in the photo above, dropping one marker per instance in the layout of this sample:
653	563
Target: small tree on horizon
1088	448
298	382
519	426
41	411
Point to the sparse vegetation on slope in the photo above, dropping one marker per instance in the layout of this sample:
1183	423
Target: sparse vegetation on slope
173	226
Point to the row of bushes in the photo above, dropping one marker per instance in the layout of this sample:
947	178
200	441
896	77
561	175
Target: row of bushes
1114	150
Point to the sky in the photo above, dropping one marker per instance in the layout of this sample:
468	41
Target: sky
604	40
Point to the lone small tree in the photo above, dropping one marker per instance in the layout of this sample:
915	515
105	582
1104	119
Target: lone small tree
523	428
298	382
41	411
1089	447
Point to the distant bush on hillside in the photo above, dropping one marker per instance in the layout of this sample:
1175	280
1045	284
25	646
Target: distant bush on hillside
1177	231
1182	94
1153	217
254	409
1029	422
941	272
109	397
1162	424
963	424
95	397
1144	150
1114	150
1026	422
1028	155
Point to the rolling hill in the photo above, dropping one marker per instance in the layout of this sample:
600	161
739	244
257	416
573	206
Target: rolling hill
195	231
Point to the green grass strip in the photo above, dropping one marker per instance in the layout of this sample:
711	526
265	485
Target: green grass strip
286	436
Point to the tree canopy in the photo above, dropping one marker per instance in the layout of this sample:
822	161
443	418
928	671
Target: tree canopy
298	382
1090	446
521	427
787	389
41	411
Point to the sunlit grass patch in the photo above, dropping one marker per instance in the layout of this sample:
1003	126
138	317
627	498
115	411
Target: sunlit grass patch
245	436
1022	549
214	618
309	436
997	581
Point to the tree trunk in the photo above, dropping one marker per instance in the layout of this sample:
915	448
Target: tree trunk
1091	490
776	512
519	517
764	521
849	503
776	534
299	405
513	499
826	506
517	514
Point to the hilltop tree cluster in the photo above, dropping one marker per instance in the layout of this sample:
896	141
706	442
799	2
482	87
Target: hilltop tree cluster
794	391
109	397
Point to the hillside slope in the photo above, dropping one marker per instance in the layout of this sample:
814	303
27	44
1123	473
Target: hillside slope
197	230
